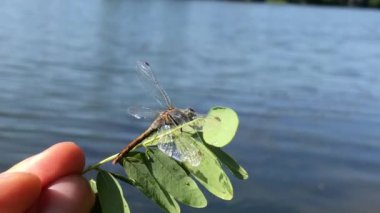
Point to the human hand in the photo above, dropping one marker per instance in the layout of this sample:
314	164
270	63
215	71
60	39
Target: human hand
50	181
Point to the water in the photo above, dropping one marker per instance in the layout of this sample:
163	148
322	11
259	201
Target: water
304	81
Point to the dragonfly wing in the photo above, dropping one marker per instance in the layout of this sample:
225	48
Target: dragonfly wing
191	154
149	81
170	149
179	146
167	144
140	112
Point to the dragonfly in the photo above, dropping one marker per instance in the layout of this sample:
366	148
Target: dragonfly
170	124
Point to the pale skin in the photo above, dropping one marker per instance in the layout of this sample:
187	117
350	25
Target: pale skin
50	181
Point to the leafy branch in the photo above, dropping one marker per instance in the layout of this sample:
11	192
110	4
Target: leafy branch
165	180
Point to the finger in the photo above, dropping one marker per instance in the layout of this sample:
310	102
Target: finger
18	191
57	161
70	194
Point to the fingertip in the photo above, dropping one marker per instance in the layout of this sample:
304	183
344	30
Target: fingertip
72	151
59	160
18	191
69	194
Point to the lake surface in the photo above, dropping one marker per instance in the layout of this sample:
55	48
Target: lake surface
304	80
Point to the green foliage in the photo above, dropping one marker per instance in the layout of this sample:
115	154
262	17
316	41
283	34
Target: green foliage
229	162
136	166
351	3
110	194
171	176
211	175
276	1
165	180
92	183
374	3
227	127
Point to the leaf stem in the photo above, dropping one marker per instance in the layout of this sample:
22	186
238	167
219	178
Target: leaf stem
96	165
146	142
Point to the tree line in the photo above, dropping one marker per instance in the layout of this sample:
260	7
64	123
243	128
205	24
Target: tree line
352	3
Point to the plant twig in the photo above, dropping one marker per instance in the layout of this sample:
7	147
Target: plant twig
146	143
95	166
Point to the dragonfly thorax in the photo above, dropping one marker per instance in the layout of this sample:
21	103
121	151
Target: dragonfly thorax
179	116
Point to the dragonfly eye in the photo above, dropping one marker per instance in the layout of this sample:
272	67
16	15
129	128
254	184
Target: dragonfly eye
190	113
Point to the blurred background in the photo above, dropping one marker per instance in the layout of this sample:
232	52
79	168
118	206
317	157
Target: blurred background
305	81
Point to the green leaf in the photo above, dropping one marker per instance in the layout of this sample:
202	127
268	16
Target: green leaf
211	175
123	178
174	179
96	208
135	165
110	194
92	183
225	131
228	161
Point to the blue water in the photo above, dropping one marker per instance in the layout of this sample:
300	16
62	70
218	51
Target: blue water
304	80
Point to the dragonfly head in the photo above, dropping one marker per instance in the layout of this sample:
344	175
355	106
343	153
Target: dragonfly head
190	113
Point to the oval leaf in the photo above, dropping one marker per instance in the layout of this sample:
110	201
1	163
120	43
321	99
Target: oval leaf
175	180
110	194
92	183
135	165
225	131
96	208
229	162
211	175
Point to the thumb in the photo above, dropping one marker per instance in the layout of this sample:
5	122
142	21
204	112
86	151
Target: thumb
19	191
